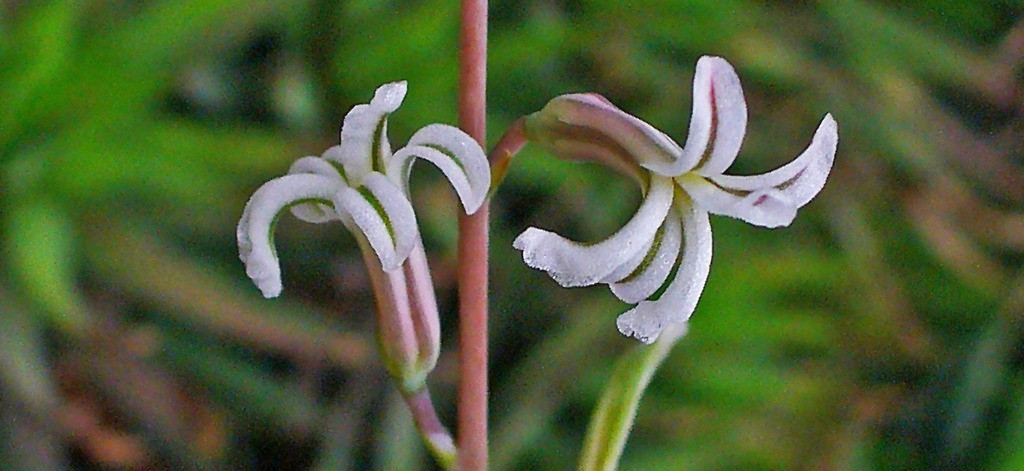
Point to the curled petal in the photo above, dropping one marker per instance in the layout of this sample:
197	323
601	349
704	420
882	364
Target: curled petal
364	140
635	261
589	127
455	153
656	267
255	229
717	124
315	213
770	199
381	211
573	264
648	319
801	179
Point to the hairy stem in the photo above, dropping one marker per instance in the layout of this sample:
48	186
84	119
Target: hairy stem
473	236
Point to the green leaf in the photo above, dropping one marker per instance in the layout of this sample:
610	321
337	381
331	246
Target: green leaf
251	394
40	248
880	37
615	413
199	297
40	51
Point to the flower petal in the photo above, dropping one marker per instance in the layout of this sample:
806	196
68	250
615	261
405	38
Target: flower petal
765	208
381	211
729	115
801	179
589	127
657	265
364	134
315	213
255	229
648	319
573	264
634	262
455	153
770	199
717	123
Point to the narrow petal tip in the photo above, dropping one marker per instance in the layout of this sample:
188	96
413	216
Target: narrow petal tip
267	277
255	227
456	154
540	252
641	323
389	96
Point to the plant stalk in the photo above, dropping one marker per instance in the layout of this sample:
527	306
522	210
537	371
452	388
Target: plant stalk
472	250
616	411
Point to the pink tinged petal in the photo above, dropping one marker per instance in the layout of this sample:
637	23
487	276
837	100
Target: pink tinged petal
766	208
364	141
452	151
396	330
423	307
381	211
729	116
313	212
648	319
574	264
800	180
657	266
589	127
255	229
771	199
717	123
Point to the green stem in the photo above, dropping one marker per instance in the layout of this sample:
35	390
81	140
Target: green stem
615	413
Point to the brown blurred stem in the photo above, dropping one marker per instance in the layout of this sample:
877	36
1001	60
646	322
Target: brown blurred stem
473	236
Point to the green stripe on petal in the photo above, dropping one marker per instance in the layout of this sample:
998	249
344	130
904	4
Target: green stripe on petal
312	212
571	263
633	263
382	212
647	320
255	229
364	145
455	153
656	267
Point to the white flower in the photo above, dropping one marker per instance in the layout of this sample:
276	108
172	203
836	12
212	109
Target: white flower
670	232
362	183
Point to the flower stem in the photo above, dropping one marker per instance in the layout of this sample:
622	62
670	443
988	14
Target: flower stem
472	270
408	341
615	413
507	147
431	430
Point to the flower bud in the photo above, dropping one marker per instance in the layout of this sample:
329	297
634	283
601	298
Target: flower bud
408	325
588	127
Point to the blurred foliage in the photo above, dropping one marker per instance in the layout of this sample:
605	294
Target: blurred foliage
883	330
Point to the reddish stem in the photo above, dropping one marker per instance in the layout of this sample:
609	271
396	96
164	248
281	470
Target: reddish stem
472	272
507	147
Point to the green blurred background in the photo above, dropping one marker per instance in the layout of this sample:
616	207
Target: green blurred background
882	330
